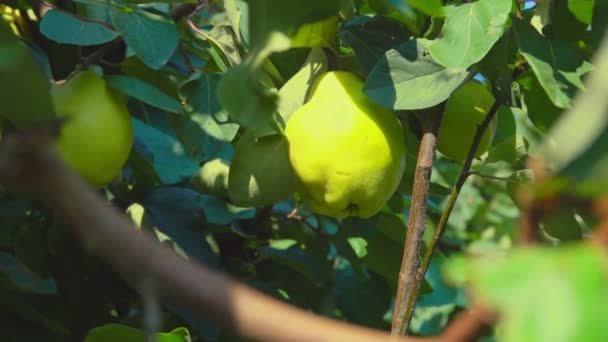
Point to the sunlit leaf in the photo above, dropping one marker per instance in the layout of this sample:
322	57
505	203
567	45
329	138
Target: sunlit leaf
408	78
469	32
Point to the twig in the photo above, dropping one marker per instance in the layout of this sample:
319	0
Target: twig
441	226
409	272
28	162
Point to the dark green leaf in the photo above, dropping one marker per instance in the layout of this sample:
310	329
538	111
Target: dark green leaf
371	37
122	333
557	65
23	278
496	66
152	36
408	78
362	301
144	92
599	27
313	266
66	28
248	102
563	24
219	211
285	16
164	152
429	7
178	213
541	110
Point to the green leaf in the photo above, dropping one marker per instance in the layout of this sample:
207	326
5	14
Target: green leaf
497	65
248	102
144	92
24	92
371	37
31	246
233	13
153	37
176	215
66	28
430	321
285	17
575	147
296	91
313	266
408	78
469	32
362	301
557	65
599	27
432	8
122	333
165	153
219	211
223	37
541	111
23	278
320	33
207	128
544	294
260	172
582	9
564	25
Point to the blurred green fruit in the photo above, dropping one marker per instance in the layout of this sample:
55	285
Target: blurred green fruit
97	136
348	153
464	111
212	178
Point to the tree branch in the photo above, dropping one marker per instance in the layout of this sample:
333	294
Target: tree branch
469	325
409	272
28	163
441	226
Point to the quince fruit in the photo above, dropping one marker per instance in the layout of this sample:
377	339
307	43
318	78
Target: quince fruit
212	178
97	136
347	152
464	111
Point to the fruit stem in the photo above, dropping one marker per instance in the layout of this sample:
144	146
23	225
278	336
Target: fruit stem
441	226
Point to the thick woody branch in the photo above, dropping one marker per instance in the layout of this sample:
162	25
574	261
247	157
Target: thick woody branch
409	272
27	163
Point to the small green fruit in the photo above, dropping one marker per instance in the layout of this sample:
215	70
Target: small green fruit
260	174
347	152
97	137
561	224
212	178
464	111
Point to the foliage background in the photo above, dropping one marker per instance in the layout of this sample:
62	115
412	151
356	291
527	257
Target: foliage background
195	84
